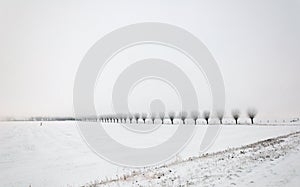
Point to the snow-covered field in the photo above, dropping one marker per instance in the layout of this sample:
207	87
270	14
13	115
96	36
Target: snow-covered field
271	162
55	155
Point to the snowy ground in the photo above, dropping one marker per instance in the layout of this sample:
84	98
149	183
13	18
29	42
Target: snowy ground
55	155
272	162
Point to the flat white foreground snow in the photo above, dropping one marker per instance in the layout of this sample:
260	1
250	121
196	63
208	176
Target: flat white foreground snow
271	162
55	154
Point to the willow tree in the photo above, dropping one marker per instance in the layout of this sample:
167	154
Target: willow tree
220	115
144	117
183	115
153	117
251	114
162	117
206	116
172	116
137	117
130	117
236	115
195	115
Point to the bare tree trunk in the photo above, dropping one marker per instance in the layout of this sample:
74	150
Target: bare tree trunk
252	120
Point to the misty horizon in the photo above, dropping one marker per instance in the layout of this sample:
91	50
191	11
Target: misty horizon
256	49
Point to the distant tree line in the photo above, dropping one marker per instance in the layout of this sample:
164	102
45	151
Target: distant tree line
162	118
171	117
39	119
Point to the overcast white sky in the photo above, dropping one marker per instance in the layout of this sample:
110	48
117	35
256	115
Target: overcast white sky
255	43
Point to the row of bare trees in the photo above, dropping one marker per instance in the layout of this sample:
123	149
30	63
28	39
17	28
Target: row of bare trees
251	113
183	116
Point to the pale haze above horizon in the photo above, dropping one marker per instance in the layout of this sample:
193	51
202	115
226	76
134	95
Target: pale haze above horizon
256	45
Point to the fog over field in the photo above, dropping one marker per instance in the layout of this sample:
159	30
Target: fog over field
255	44
149	93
